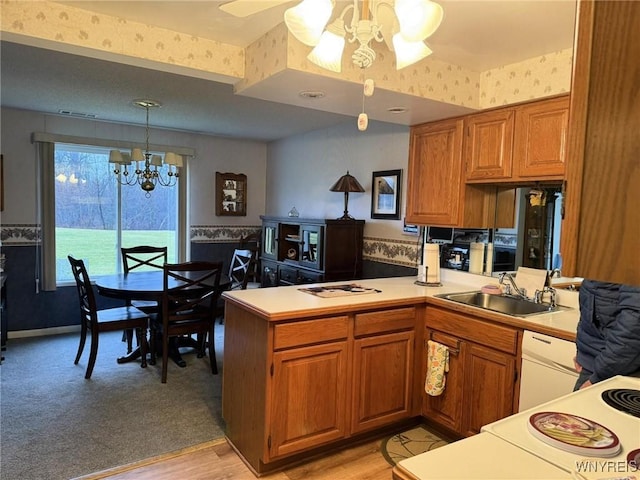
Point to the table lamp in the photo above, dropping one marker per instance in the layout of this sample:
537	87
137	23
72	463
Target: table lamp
347	183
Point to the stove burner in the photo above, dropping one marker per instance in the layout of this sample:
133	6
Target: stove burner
624	399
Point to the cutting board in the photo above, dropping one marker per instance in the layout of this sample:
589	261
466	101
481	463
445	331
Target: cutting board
531	279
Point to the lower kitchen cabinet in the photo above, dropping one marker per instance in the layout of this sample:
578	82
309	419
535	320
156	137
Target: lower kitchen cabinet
481	382
489	381
291	386
304	379
383	368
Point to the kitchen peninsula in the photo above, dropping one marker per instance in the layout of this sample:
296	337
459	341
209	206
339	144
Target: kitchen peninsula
304	373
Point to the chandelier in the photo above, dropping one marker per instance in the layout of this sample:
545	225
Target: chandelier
403	25
146	173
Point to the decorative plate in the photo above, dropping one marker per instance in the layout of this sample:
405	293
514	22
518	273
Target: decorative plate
574	434
633	458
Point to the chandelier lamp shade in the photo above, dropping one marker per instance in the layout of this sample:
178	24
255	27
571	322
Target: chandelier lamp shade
347	183
147	171
403	25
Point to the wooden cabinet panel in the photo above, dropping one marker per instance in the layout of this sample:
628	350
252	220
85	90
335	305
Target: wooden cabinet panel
481	382
541	139
488	146
297	334
435	163
474	329
382	380
446	408
489	382
600	229
385	321
309	398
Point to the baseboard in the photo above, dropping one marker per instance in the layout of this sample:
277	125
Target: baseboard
42	332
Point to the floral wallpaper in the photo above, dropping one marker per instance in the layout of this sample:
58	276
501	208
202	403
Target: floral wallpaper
278	50
221	233
397	252
81	28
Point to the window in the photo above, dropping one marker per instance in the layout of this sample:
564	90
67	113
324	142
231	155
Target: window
95	215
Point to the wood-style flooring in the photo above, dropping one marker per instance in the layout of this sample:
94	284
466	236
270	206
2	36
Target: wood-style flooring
218	461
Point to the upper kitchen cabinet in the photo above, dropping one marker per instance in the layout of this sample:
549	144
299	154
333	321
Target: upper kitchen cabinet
540	141
518	144
436	193
601	227
488	147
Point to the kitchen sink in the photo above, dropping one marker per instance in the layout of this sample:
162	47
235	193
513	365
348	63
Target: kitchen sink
507	304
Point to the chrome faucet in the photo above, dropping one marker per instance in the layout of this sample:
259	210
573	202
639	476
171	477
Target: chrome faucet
555	271
522	293
539	297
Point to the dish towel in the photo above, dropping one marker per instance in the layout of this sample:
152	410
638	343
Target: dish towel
437	367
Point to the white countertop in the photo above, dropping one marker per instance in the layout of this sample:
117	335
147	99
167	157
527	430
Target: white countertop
288	301
481	457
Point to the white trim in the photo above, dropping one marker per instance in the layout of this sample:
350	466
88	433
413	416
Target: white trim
42	332
103	142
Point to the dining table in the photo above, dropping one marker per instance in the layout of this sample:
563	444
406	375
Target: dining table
145	286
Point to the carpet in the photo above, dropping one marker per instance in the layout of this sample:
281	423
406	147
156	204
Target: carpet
409	444
56	425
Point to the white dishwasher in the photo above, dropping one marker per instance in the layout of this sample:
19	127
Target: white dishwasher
547	371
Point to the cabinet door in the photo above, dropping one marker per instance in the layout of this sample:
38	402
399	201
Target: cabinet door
488	150
541	139
311	253
308	403
446	408
269	274
489	382
382	380
269	240
435	173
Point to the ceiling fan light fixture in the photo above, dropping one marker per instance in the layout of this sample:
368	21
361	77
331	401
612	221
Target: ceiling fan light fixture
408	53
328	53
307	20
418	19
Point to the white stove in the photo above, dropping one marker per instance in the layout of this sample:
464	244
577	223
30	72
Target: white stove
587	403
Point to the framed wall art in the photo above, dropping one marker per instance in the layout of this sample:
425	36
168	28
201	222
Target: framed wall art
385	194
231	194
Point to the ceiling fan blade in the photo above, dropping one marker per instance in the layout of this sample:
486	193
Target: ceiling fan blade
244	8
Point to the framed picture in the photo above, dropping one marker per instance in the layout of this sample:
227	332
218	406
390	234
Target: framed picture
385	194
231	194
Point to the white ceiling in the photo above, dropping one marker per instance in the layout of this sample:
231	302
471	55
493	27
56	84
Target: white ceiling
476	34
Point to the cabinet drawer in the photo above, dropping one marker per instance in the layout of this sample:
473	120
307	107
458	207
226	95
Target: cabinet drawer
473	329
295	276
385	321
287	335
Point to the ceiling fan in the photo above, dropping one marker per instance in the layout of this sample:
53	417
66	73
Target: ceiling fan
245	8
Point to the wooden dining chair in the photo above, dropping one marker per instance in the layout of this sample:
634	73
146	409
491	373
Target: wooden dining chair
252	242
95	321
187	309
241	270
142	257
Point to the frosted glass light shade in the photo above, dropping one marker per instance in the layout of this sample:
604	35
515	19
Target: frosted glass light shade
408	53
137	155
328	53
418	19
307	20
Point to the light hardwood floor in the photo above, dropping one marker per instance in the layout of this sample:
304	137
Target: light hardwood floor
217	460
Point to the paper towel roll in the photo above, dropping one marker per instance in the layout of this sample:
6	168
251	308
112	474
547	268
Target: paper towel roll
476	257
488	266
431	259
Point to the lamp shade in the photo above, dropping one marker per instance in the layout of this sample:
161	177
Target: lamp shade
137	155
328	53
408	53
347	183
115	156
418	19
307	20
